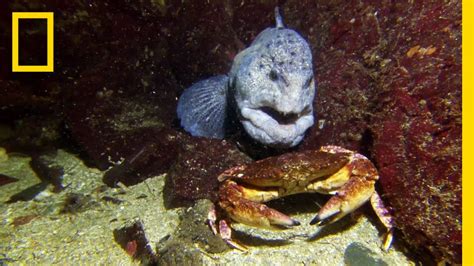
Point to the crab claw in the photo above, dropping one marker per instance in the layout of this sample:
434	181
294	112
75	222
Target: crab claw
348	176
235	201
350	197
357	191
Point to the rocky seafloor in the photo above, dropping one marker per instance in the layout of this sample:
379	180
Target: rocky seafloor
87	223
389	87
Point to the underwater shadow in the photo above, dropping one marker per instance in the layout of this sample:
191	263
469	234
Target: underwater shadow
334	228
255	241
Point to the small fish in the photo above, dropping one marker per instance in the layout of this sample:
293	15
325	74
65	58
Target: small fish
270	87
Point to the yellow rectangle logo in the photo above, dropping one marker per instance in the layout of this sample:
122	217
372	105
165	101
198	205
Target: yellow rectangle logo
49	16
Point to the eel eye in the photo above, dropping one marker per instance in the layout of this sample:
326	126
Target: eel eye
273	75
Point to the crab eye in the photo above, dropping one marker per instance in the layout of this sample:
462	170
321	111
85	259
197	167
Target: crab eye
273	75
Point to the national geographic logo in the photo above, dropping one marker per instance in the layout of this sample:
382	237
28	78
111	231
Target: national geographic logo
49	17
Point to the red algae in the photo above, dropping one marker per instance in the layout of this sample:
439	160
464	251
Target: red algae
194	174
390	86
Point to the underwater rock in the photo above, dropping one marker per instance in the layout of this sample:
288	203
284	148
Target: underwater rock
195	231
145	8
29	193
125	131
205	36
417	141
249	18
112	200
124	105
178	253
77	202
19	98
24	219
33	134
357	254
40	93
342	38
112	115
111	76
24	93
194	174
202	41
151	158
48	171
191	238
114	129
4	179
390	87
132	238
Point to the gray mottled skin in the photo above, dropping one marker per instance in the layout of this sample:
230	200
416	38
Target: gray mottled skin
273	88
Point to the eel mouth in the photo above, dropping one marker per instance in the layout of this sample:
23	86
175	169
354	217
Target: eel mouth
284	118
275	128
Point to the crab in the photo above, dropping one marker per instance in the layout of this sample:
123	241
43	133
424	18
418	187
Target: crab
346	175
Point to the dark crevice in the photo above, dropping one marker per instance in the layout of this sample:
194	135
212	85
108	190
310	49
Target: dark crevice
366	144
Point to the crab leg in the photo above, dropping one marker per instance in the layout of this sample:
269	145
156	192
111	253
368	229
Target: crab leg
224	230
242	205
211	220
384	217
226	234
